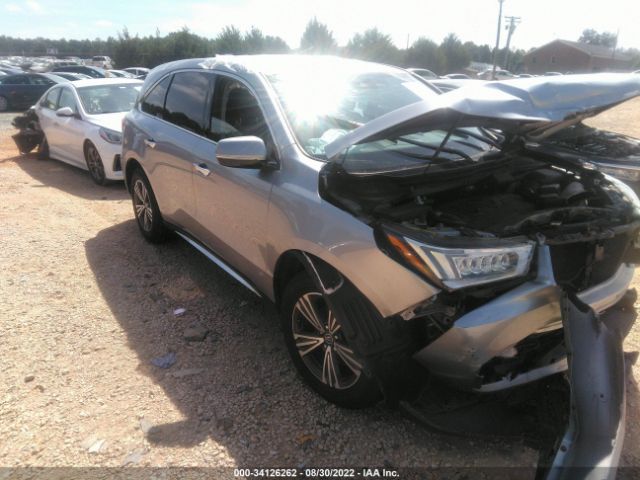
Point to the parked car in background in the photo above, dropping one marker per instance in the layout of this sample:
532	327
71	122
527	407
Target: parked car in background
137	71
102	61
72	76
423	72
457	76
19	92
499	75
11	70
82	123
525	75
398	230
552	74
93	72
120	74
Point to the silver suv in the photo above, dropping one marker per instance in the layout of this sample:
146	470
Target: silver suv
396	228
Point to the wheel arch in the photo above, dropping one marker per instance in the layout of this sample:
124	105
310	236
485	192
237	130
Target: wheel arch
131	166
289	264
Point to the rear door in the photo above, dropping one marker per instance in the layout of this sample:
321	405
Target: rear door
173	141
39	85
16	89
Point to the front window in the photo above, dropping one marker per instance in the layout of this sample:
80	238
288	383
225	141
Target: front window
108	98
324	103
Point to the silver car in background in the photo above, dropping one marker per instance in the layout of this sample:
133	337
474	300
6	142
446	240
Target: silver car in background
399	230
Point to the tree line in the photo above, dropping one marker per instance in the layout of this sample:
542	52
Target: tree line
450	55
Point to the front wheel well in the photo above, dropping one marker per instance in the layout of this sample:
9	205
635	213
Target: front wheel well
288	266
131	166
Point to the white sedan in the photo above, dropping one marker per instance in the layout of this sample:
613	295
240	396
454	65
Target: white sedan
82	124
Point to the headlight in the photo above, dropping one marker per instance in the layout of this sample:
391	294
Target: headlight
622	173
463	262
110	136
626	190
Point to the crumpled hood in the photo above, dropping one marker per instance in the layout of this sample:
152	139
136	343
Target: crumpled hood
112	121
534	107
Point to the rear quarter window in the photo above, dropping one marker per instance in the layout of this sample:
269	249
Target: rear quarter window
186	101
153	101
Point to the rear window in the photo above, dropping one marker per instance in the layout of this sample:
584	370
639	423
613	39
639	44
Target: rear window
187	100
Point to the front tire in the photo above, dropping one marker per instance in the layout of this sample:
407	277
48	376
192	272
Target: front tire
94	164
146	209
320	351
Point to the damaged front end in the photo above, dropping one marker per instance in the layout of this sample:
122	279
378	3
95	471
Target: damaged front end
533	252
30	135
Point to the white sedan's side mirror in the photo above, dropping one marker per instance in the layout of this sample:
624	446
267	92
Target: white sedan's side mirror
65	112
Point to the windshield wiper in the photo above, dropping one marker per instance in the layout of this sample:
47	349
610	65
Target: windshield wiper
438	149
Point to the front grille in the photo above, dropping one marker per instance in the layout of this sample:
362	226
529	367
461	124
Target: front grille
578	266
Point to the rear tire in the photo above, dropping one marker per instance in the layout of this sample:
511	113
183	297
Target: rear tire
319	350
43	149
95	164
146	210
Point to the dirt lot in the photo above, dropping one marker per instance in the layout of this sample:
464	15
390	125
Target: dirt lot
86	304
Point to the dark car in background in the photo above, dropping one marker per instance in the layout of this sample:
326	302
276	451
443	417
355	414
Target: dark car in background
73	77
19	92
93	72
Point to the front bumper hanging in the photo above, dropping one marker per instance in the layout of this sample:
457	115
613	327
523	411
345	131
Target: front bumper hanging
592	444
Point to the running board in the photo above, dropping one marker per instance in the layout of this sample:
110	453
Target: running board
215	259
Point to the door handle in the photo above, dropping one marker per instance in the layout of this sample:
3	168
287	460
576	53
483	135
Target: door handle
150	142
202	169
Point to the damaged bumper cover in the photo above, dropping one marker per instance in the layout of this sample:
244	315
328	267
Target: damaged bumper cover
492	330
592	444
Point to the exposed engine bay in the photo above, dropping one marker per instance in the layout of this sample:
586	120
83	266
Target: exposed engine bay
521	196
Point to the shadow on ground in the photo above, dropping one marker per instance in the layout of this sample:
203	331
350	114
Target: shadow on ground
238	386
73	180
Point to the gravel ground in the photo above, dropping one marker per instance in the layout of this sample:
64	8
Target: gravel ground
86	305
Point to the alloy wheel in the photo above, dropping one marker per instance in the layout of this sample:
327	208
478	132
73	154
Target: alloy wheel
321	344
142	205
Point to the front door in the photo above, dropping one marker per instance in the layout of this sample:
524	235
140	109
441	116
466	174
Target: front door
232	203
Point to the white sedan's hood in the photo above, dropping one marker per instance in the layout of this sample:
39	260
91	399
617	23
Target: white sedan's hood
112	121
535	107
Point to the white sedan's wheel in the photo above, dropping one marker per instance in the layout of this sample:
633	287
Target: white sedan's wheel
94	164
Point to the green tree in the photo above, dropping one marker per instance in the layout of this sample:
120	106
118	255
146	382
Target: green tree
230	40
455	54
317	38
593	37
375	46
424	53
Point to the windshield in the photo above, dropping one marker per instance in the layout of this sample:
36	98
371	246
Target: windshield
101	99
323	104
443	148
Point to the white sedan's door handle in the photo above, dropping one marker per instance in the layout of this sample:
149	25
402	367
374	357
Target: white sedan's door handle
149	142
202	169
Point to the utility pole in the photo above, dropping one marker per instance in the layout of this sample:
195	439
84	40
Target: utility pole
495	50
513	23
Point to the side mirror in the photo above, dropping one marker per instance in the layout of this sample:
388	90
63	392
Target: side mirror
65	112
241	152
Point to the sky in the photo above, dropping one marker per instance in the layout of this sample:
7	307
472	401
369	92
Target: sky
404	20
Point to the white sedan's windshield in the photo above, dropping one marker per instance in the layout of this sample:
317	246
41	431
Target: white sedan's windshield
108	98
324	104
